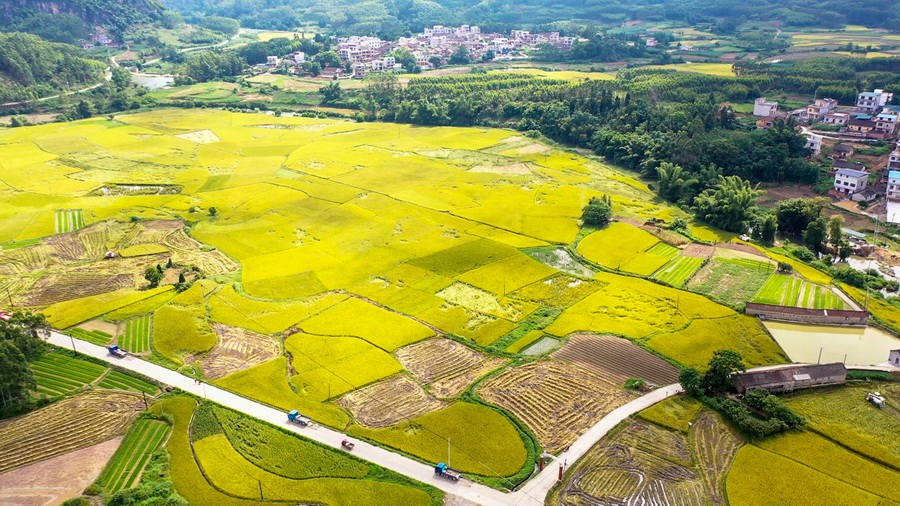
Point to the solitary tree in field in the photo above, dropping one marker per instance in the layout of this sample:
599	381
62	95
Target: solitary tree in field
598	212
153	276
213	212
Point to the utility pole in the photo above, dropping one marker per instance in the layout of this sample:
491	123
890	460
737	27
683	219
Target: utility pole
73	345
448	452
144	395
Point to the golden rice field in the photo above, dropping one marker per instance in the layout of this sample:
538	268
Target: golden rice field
347	261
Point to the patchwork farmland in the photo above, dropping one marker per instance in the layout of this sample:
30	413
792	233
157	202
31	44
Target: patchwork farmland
391	282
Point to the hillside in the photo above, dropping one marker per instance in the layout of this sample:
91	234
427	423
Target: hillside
394	17
72	20
31	67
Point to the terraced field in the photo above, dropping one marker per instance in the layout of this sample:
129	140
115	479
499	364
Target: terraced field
125	468
557	401
58	374
136	338
67	425
616	359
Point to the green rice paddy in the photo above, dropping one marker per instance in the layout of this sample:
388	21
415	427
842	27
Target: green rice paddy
58	374
124	468
678	270
136	338
68	220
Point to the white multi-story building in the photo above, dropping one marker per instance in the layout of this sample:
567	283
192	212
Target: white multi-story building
894	160
814	143
764	108
851	180
893	187
870	101
836	118
819	109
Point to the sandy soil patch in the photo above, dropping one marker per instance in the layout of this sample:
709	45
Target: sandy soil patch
237	349
102	326
448	366
53	481
389	402
698	251
256	96
514	168
741	247
200	137
534	149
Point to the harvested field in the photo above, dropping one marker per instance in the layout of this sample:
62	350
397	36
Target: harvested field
58	288
200	137
698	250
448	366
714	445
237	349
633	468
646	464
555	400
616	359
562	260
57	479
68	425
389	402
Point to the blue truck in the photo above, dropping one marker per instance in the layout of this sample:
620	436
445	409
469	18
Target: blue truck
296	417
451	474
116	351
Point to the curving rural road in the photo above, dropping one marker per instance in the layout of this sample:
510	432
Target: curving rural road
531	493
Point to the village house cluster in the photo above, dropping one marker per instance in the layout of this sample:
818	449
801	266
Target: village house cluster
871	119
362	55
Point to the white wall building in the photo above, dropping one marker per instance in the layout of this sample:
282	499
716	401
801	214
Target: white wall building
763	108
852	180
869	101
814	143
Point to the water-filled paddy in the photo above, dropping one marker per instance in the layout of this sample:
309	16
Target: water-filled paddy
862	346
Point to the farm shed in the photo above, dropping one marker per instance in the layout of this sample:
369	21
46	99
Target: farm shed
894	358
807	315
790	378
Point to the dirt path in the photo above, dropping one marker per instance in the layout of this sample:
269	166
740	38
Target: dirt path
54	481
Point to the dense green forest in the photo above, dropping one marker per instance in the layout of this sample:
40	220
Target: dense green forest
70	21
31	67
390	18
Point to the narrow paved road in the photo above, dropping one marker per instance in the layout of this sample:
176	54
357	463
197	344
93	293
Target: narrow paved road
532	493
